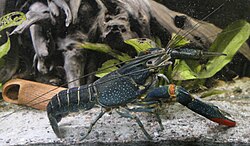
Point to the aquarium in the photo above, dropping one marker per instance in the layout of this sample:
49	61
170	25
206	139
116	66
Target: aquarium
127	72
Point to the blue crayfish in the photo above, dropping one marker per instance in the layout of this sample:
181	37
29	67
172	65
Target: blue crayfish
134	83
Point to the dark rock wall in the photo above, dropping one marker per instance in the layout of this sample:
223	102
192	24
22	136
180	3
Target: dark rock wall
232	10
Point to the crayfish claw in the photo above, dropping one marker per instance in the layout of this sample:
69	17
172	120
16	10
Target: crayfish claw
209	111
222	117
220	110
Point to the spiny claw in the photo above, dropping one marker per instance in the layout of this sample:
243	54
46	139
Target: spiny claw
188	53
213	54
223	120
209	111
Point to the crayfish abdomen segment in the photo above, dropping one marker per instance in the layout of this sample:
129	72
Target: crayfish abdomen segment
66	101
70	100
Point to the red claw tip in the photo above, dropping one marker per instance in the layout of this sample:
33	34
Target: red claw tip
226	122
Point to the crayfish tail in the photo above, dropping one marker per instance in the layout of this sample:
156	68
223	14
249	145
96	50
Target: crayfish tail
53	122
65	102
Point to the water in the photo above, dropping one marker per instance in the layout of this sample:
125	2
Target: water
179	123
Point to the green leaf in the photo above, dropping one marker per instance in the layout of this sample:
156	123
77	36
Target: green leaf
182	71
11	19
6	21
157	41
107	67
141	44
103	48
4	49
1	87
228	42
177	41
212	92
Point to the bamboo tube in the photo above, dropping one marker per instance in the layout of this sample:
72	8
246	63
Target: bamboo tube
29	93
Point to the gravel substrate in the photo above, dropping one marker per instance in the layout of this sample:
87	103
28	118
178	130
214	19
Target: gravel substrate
182	126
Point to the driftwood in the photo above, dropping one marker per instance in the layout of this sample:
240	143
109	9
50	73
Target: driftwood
2	5
57	26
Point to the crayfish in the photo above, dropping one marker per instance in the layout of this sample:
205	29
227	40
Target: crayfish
134	83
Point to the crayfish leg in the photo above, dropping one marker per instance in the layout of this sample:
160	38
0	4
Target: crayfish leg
126	114
93	123
149	107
